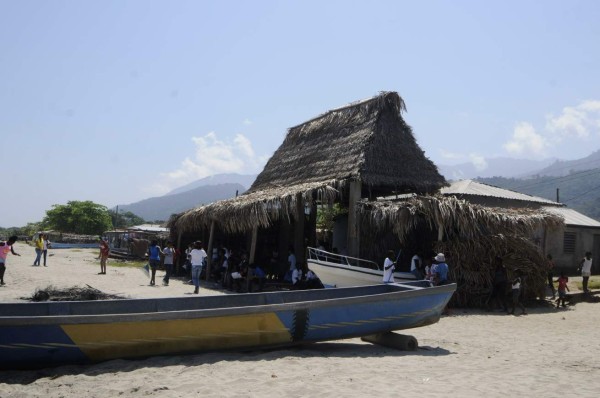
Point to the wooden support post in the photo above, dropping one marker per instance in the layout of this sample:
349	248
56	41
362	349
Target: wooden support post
250	274
299	230
182	252
440	233
284	244
312	225
210	247
353	240
253	245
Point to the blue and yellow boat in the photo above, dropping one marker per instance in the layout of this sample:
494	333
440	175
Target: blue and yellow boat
34	335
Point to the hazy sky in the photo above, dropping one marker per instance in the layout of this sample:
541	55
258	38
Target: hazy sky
118	101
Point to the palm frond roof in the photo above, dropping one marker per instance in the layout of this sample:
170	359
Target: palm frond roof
366	141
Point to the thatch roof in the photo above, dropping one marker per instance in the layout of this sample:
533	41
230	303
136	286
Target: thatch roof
473	236
257	209
367	141
455	215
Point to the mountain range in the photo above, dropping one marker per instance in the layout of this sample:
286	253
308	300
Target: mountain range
578	182
560	168
506	167
520	168
203	191
575	183
244	180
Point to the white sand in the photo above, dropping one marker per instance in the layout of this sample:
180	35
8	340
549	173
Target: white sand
549	353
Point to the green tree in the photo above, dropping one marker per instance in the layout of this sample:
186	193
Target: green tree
326	216
125	219
86	218
30	229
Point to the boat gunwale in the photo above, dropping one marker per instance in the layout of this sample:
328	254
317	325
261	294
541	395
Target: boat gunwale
392	295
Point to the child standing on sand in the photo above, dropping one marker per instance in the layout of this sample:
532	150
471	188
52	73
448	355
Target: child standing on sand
5	248
562	290
516	296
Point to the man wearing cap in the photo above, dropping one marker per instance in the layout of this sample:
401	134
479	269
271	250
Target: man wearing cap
440	269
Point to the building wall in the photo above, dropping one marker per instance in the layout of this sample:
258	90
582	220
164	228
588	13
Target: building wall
340	235
567	256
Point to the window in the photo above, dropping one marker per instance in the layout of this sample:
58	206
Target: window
569	242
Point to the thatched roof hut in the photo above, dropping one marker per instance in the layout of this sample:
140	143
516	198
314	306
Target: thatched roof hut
471	236
366	142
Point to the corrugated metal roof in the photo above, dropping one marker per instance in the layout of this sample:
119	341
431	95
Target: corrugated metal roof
149	228
470	187
573	217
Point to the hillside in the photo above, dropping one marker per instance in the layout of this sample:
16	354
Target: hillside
506	167
562	168
579	190
161	208
244	180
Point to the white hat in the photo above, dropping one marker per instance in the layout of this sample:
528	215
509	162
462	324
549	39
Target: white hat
440	258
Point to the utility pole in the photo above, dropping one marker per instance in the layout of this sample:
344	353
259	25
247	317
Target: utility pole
557	195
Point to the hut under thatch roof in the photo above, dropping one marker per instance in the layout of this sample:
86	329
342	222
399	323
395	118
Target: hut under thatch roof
471	236
364	149
352	155
367	141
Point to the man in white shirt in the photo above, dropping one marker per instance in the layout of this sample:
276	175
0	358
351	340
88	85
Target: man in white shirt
197	256
586	270
388	268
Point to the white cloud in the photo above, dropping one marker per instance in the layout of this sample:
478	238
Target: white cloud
526	140
580	121
478	161
212	156
244	145
574	126
247	122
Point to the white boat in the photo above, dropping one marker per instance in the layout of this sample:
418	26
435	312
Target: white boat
344	271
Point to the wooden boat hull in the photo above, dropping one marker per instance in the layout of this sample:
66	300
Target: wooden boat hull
60	245
45	334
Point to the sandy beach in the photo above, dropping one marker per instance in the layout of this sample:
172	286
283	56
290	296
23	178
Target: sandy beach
469	353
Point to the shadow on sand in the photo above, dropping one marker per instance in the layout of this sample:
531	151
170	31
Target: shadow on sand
339	349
